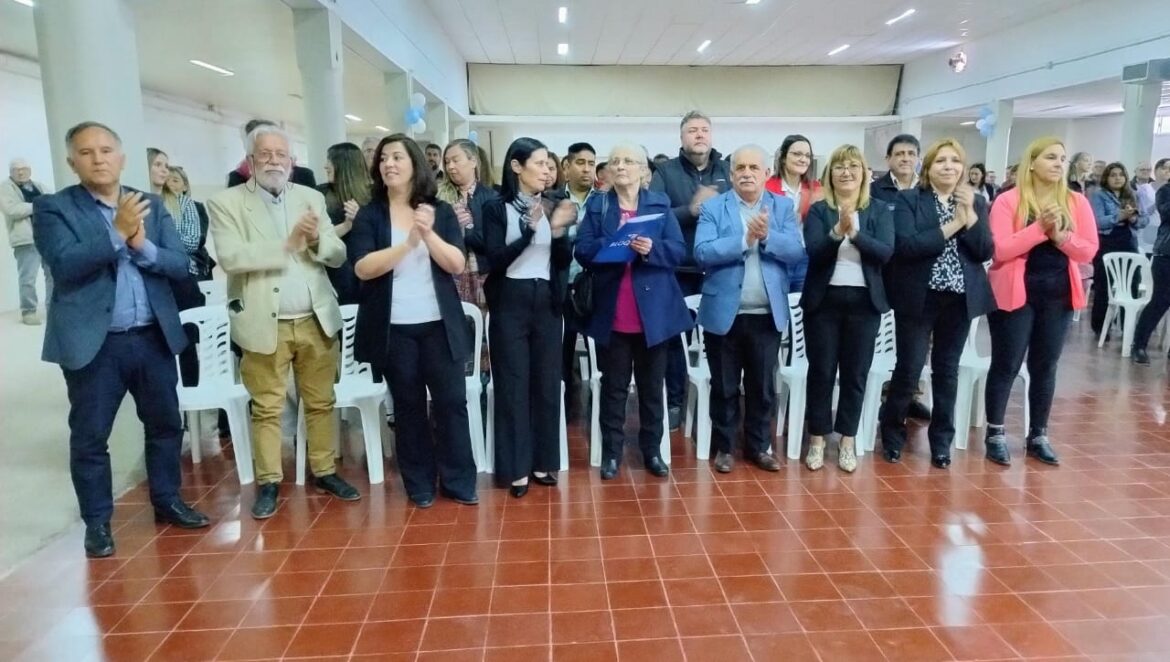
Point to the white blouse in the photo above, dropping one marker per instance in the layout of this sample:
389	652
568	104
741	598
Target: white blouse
535	260
413	300
848	272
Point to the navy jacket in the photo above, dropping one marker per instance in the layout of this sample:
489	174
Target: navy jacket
660	300
679	179
874	240
918	241
73	240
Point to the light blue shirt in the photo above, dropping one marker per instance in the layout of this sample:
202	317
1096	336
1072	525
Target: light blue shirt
753	298
131	305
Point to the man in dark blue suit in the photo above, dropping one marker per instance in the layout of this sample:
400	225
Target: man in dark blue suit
113	326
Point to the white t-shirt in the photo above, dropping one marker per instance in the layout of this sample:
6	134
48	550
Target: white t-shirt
847	272
535	260
413	300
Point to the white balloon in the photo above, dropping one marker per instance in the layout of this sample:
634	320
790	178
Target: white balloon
419	126
980	123
418	100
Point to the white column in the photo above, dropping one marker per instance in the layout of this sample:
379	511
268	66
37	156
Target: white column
457	124
398	88
437	127
997	157
88	53
912	126
319	53
1137	122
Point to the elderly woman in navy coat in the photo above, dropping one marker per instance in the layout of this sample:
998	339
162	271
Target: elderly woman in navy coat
637	306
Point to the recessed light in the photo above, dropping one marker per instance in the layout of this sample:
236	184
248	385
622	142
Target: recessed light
563	14
353	118
751	2
381	128
26	3
838	49
967	123
905	14
703	46
562	49
211	67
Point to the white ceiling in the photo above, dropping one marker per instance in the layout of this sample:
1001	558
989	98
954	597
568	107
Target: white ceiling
774	32
1103	97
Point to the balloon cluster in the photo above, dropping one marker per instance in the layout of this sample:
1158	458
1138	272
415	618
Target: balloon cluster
986	121
414	114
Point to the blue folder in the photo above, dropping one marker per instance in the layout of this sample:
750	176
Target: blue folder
618	250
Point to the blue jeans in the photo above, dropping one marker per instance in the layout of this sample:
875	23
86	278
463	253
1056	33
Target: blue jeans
28	262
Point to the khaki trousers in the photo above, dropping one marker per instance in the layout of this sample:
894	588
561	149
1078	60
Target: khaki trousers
314	359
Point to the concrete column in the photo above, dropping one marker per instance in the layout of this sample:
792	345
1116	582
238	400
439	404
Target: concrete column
997	157
88	53
319	53
1137	122
457	125
398	88
437	127
911	125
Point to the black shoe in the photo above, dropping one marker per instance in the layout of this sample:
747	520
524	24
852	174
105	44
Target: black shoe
892	455
674	416
548	480
336	486
724	462
99	541
181	515
765	461
657	467
265	505
518	491
422	500
918	411
466	500
941	461
996	449
1140	356
1040	448
609	469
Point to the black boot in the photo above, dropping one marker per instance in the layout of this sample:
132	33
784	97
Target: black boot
1040	448
1139	355
996	446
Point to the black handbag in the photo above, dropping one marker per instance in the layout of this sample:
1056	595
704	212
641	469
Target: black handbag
581	295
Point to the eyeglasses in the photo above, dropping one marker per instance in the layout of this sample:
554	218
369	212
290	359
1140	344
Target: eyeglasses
800	155
625	162
852	167
268	156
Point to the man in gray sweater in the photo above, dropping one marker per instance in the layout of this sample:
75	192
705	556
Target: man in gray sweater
16	196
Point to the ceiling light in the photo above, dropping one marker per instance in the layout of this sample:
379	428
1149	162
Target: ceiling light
838	49
703	46
967	123
353	118
381	128
26	3
905	14
563	14
562	49
751	2
963	22
211	67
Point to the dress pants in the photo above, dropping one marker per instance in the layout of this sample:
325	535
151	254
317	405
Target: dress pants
314	358
525	339
138	361
420	360
676	361
944	318
28	263
626	353
1038	330
1159	302
839	337
749	352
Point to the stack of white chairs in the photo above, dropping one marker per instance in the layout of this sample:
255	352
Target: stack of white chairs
595	411
214	292
885	355
1123	270
970	397
698	409
474	387
792	380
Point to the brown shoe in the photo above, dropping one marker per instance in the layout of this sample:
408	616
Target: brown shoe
723	462
766	461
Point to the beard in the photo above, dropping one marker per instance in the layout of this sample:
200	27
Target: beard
274	179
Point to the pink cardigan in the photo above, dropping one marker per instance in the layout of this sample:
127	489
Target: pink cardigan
1012	247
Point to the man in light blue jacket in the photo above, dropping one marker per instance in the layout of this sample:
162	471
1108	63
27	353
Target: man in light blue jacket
746	242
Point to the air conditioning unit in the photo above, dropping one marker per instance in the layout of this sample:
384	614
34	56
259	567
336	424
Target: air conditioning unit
1147	72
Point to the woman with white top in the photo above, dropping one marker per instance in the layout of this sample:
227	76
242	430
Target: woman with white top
529	253
849	240
407	247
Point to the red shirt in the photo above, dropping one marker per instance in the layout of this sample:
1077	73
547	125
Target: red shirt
626	318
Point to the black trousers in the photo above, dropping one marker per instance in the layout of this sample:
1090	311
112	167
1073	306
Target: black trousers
421	361
945	318
1109	244
839	337
569	361
1159	302
676	361
525	338
138	361
187	296
749	351
1037	330
626	353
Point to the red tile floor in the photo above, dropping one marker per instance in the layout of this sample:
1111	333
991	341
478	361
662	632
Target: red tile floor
897	562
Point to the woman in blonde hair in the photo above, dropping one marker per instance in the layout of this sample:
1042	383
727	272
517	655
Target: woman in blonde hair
464	190
1042	231
938	286
848	241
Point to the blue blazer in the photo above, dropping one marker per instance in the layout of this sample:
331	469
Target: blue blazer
660	300
73	240
719	251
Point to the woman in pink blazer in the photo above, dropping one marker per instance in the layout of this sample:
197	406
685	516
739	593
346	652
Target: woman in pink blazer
1042	232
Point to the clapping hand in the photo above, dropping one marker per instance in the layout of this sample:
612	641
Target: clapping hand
845	213
351	209
564	215
424	220
702	194
130	217
534	214
965	200
758	227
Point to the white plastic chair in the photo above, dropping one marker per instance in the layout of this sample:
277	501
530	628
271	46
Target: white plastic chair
698	410
217	387
1121	269
970	397
355	388
489	451
474	387
792	380
595	412
214	292
881	370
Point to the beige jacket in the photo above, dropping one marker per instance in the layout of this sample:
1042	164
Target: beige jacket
17	213
251	251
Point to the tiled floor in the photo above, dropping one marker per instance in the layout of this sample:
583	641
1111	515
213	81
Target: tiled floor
900	562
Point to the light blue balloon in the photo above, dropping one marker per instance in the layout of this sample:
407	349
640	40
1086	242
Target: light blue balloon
473	136
413	115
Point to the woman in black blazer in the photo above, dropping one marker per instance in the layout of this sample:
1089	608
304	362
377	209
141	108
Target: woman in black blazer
529	253
848	241
407	246
937	285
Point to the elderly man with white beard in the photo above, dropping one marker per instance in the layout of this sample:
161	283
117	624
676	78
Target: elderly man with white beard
274	240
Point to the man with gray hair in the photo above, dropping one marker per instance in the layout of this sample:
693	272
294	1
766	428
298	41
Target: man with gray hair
16	204
274	240
747	241
369	146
